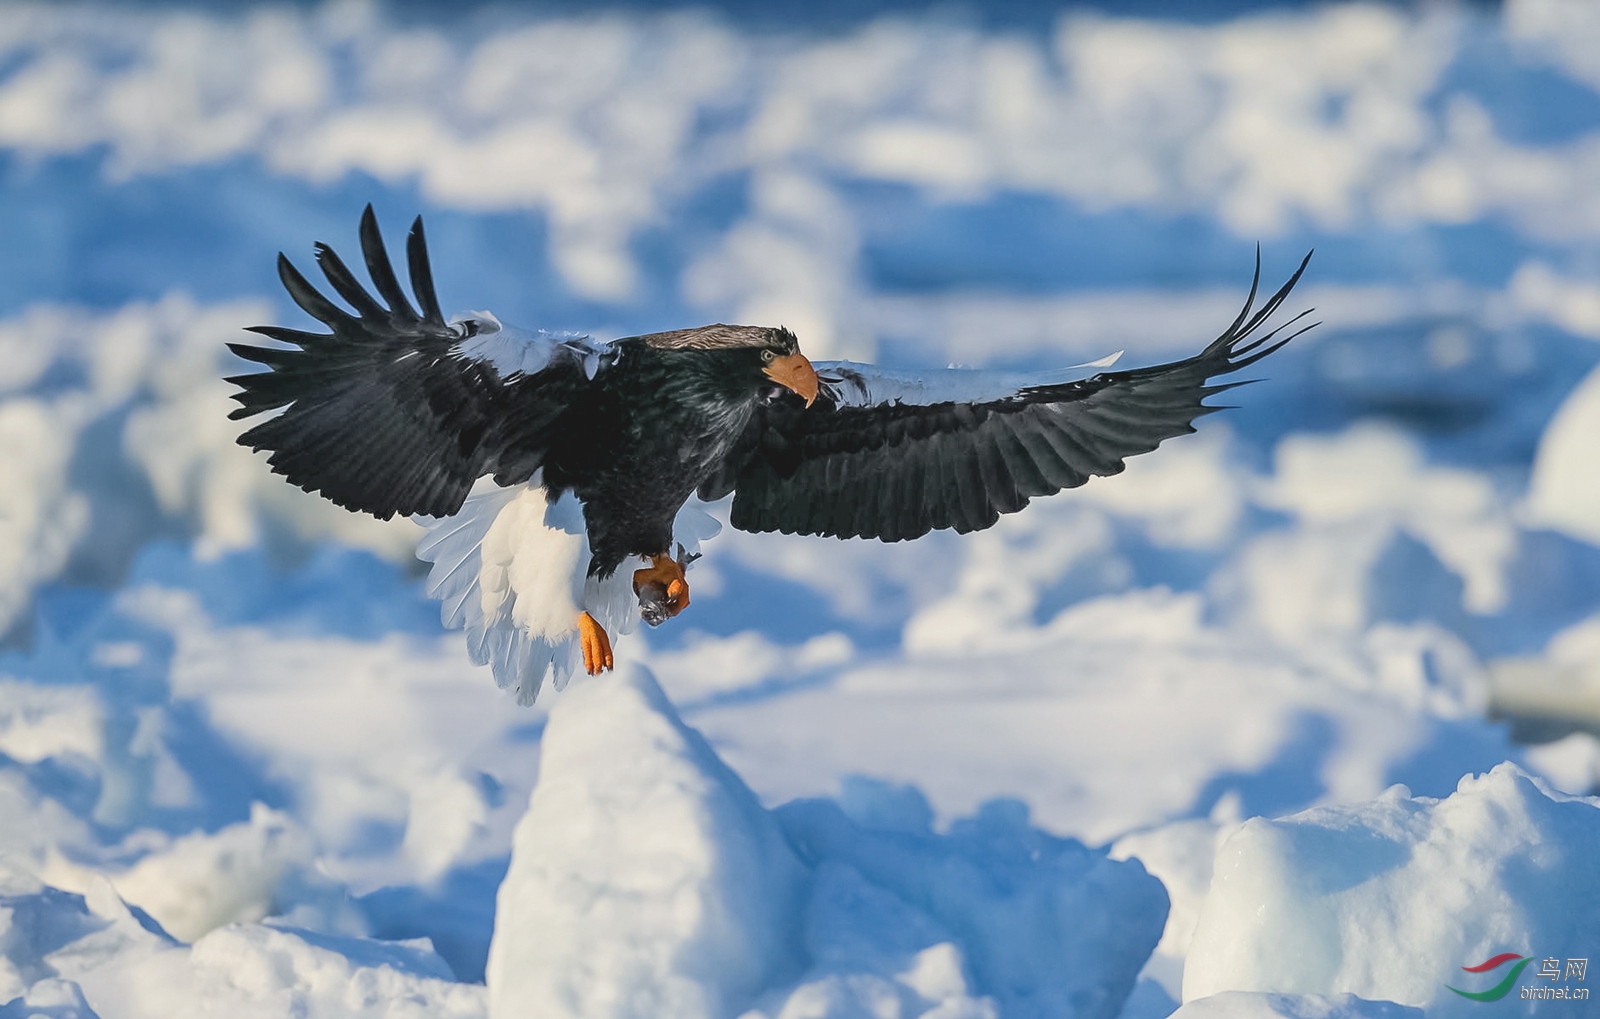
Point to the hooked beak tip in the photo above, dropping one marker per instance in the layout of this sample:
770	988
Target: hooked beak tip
796	374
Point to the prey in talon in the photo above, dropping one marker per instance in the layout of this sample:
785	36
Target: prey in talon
554	471
663	588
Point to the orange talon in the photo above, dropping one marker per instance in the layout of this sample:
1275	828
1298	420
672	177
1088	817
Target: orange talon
663	592
596	645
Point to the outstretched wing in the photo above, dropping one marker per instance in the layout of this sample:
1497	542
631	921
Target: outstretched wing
882	458
396	410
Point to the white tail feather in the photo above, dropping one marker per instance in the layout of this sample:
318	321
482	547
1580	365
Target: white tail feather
511	569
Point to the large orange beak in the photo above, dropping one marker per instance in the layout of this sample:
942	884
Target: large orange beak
794	372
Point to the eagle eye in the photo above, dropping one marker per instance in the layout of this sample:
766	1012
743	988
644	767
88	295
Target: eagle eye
768	354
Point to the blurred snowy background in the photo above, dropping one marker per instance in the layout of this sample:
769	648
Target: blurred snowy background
222	700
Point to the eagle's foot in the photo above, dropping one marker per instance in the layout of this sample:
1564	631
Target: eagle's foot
662	589
595	643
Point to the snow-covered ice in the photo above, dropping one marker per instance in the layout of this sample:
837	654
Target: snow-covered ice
1563	493
1393	898
81	957
1259	1005
646	880
244	769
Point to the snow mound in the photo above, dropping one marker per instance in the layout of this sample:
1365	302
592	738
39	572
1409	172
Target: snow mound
49	999
1564	491
1251	1005
673	891
1570	764
243	872
67	956
1180	854
1045	926
1390	899
676	894
1374	478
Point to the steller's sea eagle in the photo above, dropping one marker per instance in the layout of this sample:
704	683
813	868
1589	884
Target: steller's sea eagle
600	445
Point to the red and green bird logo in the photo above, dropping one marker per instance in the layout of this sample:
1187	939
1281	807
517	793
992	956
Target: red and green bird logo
1501	989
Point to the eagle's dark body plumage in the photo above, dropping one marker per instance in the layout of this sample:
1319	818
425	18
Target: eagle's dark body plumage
396	410
634	458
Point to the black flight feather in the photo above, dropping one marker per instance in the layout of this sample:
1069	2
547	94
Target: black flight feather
382	415
896	470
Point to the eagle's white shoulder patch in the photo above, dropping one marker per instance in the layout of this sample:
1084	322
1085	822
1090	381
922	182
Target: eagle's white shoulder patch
850	384
511	351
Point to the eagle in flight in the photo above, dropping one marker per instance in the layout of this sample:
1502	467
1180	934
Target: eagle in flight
522	451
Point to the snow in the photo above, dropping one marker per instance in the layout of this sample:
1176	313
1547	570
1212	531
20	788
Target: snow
92	957
151	372
1180	855
1078	699
245	767
369	736
241	873
1015	903
43	519
677	894
1227	118
672	889
1256	1005
1389	899
1375	477
1562	494
1570	764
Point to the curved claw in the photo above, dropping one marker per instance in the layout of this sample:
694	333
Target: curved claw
596	645
663	592
677	596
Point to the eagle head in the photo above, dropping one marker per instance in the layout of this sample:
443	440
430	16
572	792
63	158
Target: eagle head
783	363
